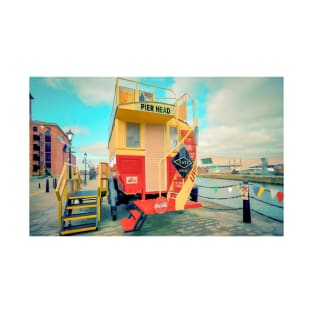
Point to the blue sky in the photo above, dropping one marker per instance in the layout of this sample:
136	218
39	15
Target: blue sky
238	117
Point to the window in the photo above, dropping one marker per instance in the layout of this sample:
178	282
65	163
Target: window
35	157
48	147
132	135
173	137
35	168
36	137
35	147
47	138
48	157
35	128
48	165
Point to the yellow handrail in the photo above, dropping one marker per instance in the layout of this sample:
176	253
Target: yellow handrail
194	108
103	175
141	83
62	188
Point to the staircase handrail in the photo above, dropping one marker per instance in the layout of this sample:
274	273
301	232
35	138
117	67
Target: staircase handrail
194	107
61	190
103	174
194	124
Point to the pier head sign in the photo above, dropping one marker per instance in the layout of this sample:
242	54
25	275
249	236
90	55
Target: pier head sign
156	108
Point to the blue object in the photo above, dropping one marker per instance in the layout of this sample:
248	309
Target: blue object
182	162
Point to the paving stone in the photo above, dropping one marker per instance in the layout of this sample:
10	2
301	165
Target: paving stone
197	222
34	228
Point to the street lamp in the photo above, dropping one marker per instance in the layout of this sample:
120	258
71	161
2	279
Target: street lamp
43	131
70	135
85	156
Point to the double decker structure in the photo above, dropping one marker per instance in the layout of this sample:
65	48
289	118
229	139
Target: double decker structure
152	151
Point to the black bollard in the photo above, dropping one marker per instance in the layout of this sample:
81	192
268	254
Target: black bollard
39	185
246	212
47	185
56	183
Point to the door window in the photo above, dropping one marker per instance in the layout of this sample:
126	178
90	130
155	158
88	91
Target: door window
133	135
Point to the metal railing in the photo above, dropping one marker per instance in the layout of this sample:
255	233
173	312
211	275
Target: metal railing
103	175
158	96
67	186
219	195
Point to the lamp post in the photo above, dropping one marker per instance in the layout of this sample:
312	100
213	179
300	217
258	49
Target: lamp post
85	156
70	135
43	130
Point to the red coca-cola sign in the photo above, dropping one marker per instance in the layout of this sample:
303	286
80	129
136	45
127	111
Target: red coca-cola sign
160	205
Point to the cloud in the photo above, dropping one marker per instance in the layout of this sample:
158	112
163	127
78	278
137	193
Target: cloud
191	85
93	91
244	118
97	150
246	100
238	141
77	130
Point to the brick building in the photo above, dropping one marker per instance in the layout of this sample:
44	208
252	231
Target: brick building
48	148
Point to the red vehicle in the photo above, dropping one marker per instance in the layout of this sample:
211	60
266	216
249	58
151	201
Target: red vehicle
152	151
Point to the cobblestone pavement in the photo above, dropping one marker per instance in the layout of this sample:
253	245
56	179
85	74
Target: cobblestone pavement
211	220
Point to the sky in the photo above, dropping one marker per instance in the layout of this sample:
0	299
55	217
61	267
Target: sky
238	116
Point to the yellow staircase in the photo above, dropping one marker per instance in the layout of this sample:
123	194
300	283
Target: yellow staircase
180	188
81	212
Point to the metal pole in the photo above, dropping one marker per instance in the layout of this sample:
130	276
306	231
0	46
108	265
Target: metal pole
246	212
47	185
85	172
70	161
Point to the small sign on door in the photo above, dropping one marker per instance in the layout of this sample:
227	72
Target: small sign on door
131	180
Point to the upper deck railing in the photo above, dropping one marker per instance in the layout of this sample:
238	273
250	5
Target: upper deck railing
129	91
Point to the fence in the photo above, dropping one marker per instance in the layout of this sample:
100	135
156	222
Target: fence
230	196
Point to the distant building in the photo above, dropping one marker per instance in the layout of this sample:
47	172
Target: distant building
225	164
48	149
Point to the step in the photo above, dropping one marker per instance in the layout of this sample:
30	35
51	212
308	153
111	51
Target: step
128	224
78	228
189	141
178	178
191	148
83	194
145	206
82	206
135	213
178	185
184	132
193	205
173	194
193	155
188	205
80	216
